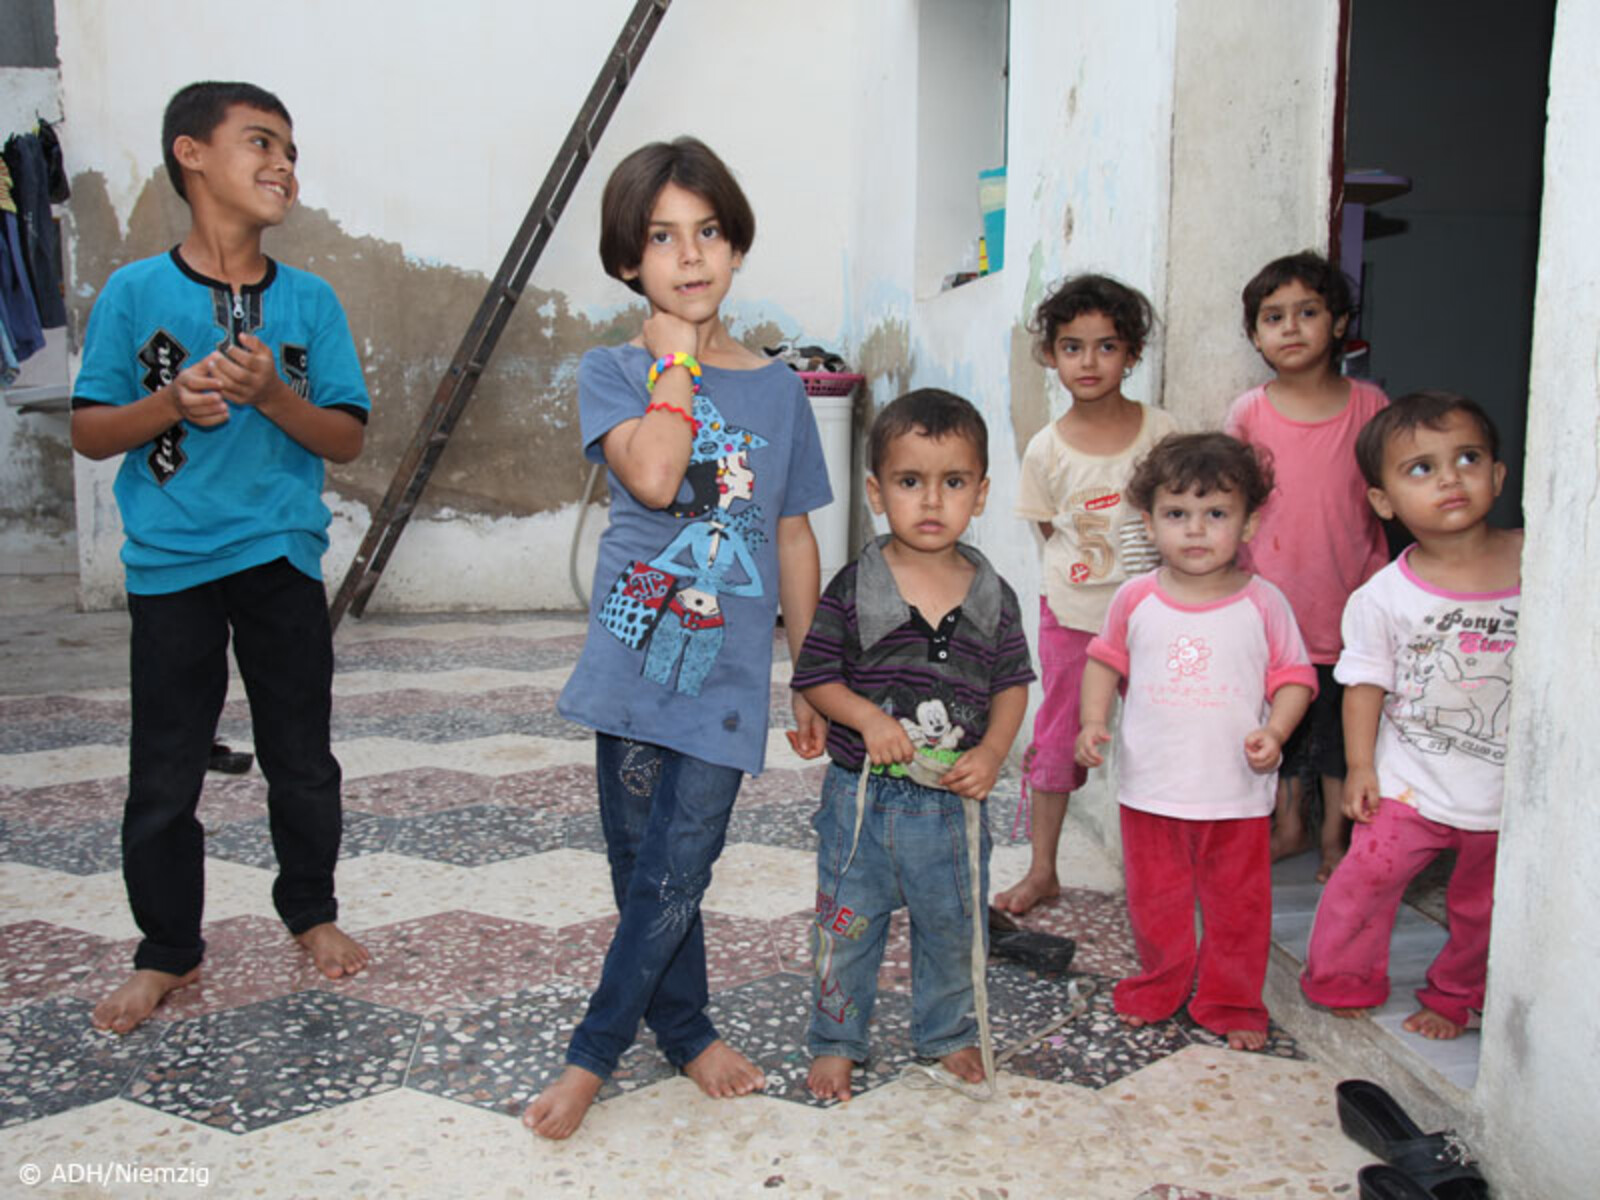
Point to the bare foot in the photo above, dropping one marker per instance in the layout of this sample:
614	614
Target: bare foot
335	952
1350	1014
830	1077
722	1072
1131	1021
1289	841
1330	861
1033	888
965	1063
560	1108
1246	1039
124	1009
1432	1025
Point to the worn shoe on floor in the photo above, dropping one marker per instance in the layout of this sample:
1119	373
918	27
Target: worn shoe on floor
1440	1163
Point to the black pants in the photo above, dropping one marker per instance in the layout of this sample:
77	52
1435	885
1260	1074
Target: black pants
284	647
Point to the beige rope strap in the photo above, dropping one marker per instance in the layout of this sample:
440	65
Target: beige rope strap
928	772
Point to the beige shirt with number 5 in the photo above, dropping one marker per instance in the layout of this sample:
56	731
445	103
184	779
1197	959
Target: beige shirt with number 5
1098	541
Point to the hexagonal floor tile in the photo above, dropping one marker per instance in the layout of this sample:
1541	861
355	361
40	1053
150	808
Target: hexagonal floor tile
250	842
248	959
738	949
501	1055
418	790
449	962
256	1066
52	1059
42	959
479	834
569	788
767	1020
1097	921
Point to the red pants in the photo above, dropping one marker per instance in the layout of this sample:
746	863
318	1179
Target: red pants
1347	965
1227	865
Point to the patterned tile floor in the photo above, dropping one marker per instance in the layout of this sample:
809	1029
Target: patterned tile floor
473	869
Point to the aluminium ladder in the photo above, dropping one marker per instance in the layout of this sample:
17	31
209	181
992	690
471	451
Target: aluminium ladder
477	347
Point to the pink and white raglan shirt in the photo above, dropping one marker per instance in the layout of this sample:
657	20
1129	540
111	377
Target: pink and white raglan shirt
1200	680
1444	661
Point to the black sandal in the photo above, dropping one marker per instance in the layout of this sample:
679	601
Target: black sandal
1440	1163
1381	1182
1041	951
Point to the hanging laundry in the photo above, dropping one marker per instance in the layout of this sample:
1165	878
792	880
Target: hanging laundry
18	311
10	368
41	248
55	167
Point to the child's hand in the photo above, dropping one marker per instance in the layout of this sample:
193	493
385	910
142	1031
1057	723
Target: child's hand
665	334
972	775
1262	750
1361	795
197	391
887	741
246	371
1086	750
810	735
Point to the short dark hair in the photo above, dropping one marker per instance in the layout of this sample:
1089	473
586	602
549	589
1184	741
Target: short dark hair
1308	268
932	413
631	192
196	111
1202	463
1428	408
1130	313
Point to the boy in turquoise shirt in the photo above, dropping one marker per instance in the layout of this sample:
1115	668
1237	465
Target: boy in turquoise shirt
225	379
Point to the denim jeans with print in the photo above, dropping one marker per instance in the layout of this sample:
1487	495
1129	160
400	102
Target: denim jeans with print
665	816
912	853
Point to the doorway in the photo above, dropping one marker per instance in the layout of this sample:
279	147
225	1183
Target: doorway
1455	102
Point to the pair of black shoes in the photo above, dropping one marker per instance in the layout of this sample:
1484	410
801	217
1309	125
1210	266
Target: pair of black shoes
1417	1165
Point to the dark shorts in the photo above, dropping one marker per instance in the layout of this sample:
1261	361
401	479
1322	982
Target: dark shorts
1316	747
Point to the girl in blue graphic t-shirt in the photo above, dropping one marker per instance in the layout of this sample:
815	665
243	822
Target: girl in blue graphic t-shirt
714	462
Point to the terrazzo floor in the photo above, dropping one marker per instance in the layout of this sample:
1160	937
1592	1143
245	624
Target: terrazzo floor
473	869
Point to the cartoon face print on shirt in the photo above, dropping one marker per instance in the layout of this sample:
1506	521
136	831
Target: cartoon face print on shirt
671	607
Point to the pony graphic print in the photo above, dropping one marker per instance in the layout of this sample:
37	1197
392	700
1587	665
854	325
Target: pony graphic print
1453	684
670	608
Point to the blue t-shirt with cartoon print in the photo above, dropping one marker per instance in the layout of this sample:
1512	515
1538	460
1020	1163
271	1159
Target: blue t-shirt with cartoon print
201	503
679	652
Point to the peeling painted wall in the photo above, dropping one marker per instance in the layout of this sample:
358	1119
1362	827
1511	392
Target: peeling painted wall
418	161
1252	148
1540	1070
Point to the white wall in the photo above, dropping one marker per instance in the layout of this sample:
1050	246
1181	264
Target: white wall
1252	156
1540	1070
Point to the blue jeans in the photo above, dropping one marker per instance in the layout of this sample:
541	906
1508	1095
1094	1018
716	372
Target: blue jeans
912	853
665	816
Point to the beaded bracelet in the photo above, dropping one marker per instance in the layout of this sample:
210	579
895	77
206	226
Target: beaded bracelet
673	408
676	359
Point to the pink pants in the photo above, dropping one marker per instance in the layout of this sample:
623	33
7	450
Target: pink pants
1227	866
1347	965
1048	765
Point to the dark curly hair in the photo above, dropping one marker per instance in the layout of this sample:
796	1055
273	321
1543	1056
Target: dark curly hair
1201	463
1127	308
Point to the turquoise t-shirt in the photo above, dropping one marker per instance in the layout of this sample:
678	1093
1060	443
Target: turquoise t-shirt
679	652
201	503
